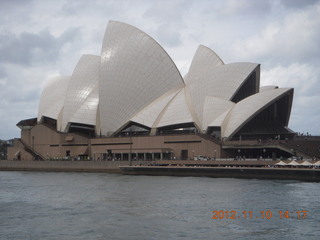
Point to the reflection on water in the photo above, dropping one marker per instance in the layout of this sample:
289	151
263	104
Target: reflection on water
110	206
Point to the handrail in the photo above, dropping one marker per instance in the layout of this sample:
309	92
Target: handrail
31	150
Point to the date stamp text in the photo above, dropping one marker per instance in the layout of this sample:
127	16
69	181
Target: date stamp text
265	214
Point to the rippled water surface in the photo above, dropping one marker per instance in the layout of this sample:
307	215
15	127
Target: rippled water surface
36	205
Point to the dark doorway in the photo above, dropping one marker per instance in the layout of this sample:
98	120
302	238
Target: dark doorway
184	154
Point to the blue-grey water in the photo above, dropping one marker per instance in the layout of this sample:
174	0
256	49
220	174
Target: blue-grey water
39	205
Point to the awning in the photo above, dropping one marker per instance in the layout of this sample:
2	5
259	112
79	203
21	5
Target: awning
294	163
281	163
306	163
316	163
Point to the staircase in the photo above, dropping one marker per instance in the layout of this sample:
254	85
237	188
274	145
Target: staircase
301	148
306	148
27	148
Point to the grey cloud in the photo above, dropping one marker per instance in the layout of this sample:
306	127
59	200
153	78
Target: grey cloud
73	8
294	39
168	35
15	96
86	8
17	10
247	8
15	3
167	11
29	48
19	91
170	16
7	6
298	3
3	72
11	114
170	20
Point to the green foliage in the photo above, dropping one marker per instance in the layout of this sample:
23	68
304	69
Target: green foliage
3	150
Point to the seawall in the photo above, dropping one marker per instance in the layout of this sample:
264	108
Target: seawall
304	174
63	166
218	169
105	166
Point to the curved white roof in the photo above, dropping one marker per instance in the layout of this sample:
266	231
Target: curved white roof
52	97
151	113
135	70
87	112
246	109
134	80
267	88
222	81
205	59
213	109
82	97
210	77
219	120
176	112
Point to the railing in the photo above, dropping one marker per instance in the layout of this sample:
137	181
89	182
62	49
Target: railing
209	137
305	148
30	150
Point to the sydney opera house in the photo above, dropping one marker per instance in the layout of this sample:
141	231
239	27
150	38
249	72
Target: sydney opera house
132	102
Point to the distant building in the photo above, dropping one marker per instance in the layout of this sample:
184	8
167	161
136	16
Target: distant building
133	102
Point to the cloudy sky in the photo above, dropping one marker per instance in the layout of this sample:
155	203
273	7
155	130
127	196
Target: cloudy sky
42	39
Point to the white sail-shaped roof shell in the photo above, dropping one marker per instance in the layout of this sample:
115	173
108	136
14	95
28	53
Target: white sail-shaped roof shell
208	76
227	79
82	97
204	58
213	108
52	97
267	88
149	115
219	120
135	71
246	109
177	112
87	112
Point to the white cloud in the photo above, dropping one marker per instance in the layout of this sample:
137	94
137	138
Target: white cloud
245	7
300	76
294	38
304	79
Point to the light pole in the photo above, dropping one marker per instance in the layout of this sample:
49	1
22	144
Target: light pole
130	160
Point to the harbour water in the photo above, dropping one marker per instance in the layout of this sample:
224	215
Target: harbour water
54	205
